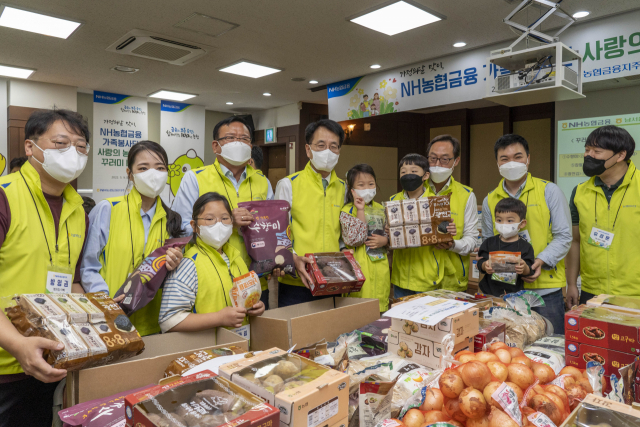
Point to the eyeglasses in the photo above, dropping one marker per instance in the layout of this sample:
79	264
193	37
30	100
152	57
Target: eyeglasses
226	139
226	219
321	146
63	144
444	161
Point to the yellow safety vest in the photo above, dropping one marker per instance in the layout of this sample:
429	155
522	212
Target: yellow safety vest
538	225
315	214
615	271
377	284
24	257
254	187
118	260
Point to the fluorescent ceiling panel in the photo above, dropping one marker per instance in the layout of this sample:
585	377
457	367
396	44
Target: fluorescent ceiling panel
396	18
248	69
37	23
172	96
20	73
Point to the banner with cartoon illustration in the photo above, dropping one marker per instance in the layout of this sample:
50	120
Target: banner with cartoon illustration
182	136
119	122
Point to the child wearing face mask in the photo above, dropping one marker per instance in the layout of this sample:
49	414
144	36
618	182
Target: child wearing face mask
362	225
124	230
510	217
196	295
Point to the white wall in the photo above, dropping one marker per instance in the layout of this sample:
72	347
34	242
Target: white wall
286	115
25	93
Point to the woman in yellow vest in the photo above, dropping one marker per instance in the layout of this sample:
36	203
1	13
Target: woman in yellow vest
362	221
196	295
124	230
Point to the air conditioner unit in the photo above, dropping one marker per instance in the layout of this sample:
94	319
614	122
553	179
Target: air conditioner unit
158	47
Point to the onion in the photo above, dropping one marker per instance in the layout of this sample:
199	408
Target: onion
524	360
543	372
515	352
552	388
575	393
518	391
521	375
488	392
542	403
472	403
498	370
413	418
585	384
526	411
568	382
485	356
497	418
496	345
467	357
476	375
478	422
504	355
451	384
574	372
452	407
433	400
431	417
555	399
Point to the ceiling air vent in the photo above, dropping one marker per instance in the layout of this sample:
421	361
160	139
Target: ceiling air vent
157	47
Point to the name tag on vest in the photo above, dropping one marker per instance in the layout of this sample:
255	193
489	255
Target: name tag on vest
59	280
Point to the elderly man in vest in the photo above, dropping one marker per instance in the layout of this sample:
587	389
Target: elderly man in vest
230	175
42	231
548	224
604	214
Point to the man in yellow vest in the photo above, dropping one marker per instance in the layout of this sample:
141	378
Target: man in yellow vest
443	153
42	231
548	227
231	176
316	195
604	214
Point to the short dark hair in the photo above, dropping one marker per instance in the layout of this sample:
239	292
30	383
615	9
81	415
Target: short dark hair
258	156
329	125
509	139
353	173
40	122
228	121
447	138
17	162
88	204
612	138
415	159
511	204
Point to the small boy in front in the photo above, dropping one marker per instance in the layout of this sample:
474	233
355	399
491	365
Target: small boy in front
510	217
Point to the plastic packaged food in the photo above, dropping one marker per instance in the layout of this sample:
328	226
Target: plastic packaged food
375	225
184	363
435	230
410	212
397	238
334	273
423	209
246	290
412	234
393	211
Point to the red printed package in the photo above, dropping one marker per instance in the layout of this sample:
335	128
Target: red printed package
487	333
579	354
604	328
334	273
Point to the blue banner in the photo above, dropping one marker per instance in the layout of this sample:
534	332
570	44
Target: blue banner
108	98
173	107
342	88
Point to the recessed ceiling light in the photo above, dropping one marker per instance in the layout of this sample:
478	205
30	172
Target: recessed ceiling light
172	96
374	66
397	17
229	103
459	44
125	69
248	69
20	73
37	23
313	82
266	94
580	14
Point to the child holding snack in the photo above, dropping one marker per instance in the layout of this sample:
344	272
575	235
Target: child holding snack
362	223
506	257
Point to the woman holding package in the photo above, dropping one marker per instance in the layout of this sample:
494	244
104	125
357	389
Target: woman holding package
196	295
124	230
362	222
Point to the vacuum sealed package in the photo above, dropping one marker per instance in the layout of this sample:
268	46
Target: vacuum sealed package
375	225
334	273
182	364
397	238
144	282
412	236
268	237
393	211
102	335
410	211
246	290
434	230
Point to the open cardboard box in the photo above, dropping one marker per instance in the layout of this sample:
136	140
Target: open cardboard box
607	412
304	324
146	368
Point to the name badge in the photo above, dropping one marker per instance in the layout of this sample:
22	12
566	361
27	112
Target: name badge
600	238
58	282
243	331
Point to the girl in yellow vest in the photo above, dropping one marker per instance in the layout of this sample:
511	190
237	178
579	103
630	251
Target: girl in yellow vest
124	230
196	295
357	218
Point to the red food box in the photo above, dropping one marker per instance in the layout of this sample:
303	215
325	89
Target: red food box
334	273
139	406
578	354
486	334
604	328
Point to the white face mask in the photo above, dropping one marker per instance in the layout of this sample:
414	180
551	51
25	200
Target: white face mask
324	160
63	166
216	235
439	174
236	152
508	230
513	171
151	182
367	194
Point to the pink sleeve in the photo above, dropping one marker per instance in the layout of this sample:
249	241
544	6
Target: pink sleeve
354	231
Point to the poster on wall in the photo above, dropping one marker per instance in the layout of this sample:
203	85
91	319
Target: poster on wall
182	136
572	135
119	122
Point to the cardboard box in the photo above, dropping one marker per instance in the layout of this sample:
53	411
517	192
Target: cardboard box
604	328
578	354
464	325
146	368
624	414
322	401
486	334
423	351
172	395
338	263
305	324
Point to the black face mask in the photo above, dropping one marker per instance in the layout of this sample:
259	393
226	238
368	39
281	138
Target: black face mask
592	166
410	182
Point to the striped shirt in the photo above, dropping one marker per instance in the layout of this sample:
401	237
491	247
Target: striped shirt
179	294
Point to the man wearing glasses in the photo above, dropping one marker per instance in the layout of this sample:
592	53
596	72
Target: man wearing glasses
443	153
231	176
42	232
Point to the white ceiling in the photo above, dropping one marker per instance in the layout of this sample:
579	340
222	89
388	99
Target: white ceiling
306	38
